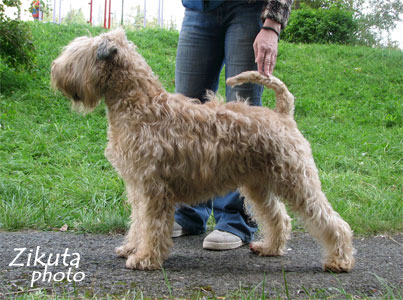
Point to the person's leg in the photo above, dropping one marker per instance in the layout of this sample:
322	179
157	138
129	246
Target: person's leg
200	54
243	24
193	219
199	61
242	29
230	216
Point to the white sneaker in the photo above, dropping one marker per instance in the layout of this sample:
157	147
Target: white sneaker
178	231
221	240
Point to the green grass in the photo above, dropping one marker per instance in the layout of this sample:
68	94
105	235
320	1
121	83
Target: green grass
262	291
348	104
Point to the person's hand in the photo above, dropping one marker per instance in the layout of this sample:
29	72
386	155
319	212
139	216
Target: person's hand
265	47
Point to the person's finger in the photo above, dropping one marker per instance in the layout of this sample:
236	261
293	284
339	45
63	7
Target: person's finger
261	61
255	50
274	62
267	66
270	63
271	67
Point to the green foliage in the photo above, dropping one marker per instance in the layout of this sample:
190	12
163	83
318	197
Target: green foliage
374	19
9	3
134	20
348	105
75	16
382	14
316	4
321	26
16	47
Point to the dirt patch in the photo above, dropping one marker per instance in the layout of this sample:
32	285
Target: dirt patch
190	269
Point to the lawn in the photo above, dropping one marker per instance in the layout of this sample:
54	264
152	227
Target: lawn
348	105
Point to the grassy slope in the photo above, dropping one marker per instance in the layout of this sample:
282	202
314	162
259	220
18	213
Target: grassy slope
348	104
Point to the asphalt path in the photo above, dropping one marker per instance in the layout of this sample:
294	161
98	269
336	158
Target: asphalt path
85	264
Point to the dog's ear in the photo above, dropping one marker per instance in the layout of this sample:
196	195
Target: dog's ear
106	50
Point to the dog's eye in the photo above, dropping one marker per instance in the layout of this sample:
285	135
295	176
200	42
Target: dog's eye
76	97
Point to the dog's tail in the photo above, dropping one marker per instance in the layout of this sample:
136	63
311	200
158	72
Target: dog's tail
284	99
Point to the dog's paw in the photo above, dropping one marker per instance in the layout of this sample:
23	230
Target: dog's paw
136	262
124	250
338	265
262	250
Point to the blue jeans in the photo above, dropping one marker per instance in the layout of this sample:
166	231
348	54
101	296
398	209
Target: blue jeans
207	41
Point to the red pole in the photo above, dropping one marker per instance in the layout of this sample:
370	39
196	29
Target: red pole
105	13
109	18
90	12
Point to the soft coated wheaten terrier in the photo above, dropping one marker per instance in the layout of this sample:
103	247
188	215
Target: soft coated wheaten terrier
170	149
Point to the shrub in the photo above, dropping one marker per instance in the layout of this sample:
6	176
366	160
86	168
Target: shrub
322	26
16	47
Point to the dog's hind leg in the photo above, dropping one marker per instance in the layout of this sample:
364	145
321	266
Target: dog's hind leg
299	183
156	217
271	215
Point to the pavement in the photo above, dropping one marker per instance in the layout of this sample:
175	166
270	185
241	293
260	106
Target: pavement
64	263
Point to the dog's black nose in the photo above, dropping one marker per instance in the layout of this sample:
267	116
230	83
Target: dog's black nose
76	97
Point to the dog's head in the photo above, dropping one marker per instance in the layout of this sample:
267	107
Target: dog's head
83	68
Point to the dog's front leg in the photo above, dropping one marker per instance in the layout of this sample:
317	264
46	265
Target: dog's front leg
155	218
133	237
271	215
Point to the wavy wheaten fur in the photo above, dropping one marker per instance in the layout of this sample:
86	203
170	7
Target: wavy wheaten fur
170	149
